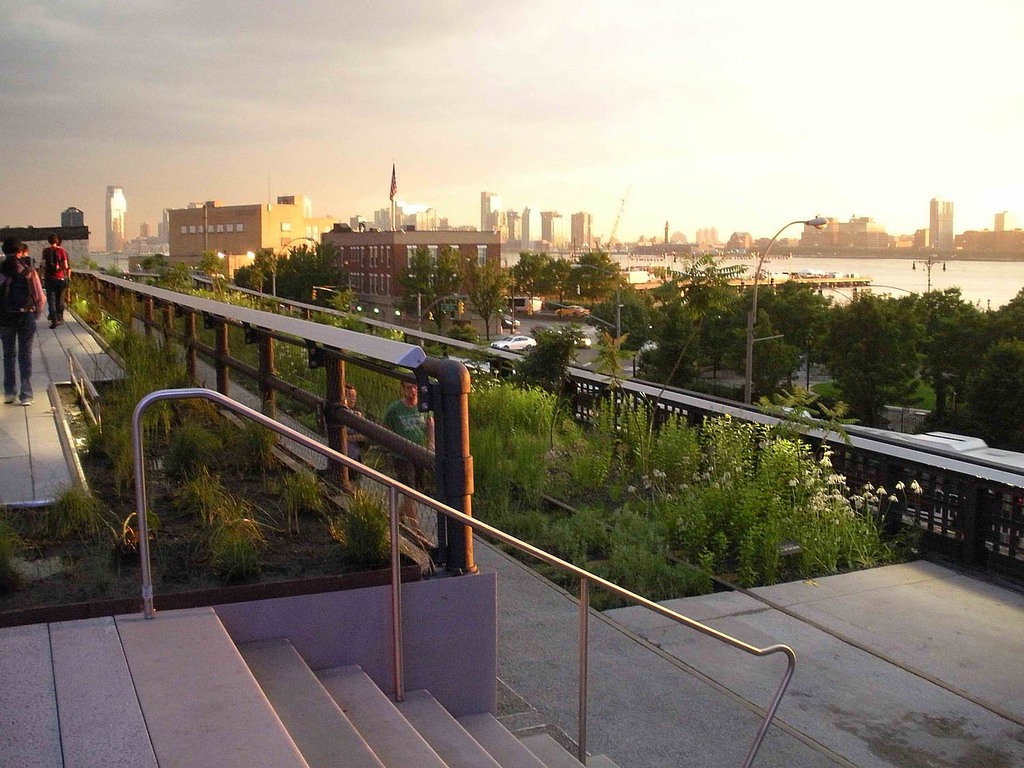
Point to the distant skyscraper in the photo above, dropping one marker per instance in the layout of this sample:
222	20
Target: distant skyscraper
581	225
144	230
117	206
163	228
552	228
940	224
490	204
72	217
515	226
1005	222
527	234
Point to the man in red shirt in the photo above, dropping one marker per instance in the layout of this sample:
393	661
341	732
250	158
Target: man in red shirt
56	273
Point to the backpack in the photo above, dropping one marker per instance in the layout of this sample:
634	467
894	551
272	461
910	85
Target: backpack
55	263
16	296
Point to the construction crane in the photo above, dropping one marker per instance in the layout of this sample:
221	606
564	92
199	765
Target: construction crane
618	217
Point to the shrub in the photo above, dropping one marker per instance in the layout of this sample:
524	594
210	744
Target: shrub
364	529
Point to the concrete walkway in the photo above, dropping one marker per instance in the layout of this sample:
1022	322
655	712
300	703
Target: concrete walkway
908	665
32	464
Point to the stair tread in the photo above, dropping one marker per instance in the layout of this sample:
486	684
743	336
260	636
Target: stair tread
28	706
324	735
600	761
201	703
503	746
443	733
392	738
553	754
100	715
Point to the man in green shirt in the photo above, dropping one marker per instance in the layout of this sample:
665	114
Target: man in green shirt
404	418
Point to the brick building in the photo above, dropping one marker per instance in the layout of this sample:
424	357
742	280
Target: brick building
374	259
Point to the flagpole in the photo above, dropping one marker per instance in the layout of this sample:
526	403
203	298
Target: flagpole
394	191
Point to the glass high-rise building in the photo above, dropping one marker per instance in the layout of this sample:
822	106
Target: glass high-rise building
940	224
117	207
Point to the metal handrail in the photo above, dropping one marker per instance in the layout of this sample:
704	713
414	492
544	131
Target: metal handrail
395	488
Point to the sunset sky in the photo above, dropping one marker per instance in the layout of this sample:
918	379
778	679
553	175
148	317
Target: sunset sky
735	114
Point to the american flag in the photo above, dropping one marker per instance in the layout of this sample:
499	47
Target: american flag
394	183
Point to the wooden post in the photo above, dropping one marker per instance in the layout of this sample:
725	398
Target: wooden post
190	345
148	317
223	379
335	370
168	312
268	396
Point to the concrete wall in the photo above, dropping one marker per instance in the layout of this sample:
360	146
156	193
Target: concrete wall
450	635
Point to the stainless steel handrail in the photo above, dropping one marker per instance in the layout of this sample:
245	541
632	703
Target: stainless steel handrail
395	488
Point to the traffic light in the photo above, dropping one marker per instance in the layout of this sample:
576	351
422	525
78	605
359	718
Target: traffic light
462	306
314	294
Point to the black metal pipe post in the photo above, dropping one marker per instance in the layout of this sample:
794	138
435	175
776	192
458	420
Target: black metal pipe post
453	463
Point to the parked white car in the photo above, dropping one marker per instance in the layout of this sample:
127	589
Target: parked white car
514	343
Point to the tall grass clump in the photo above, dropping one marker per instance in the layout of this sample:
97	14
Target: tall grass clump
202	496
75	512
191	447
236	542
10	546
251	446
300	494
363	529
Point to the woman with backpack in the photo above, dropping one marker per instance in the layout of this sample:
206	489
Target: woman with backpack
21	302
56	272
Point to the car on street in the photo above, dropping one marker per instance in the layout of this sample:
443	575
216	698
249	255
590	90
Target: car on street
574	310
507	321
514	343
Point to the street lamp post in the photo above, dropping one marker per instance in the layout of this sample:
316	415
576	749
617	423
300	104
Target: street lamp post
748	390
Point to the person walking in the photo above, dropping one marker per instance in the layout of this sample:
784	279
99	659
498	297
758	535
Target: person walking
21	302
403	417
56	273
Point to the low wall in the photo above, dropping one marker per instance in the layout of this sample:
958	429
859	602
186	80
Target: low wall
450	629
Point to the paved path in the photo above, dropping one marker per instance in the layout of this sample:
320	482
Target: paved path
32	464
925	670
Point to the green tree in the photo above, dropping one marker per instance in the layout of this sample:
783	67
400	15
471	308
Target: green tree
487	288
556	279
801	315
873	354
528	275
427	282
683	305
307	266
595	276
635	316
952	345
997	393
546	364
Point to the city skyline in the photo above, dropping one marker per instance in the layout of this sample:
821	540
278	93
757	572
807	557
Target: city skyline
739	117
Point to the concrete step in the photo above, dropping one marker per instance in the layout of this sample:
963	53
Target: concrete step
443	733
600	761
201	703
324	736
29	732
392	738
509	751
550	751
101	721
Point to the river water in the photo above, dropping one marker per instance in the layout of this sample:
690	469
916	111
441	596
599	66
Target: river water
988	284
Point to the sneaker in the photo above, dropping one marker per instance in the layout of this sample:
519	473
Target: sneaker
53	324
9	399
26	401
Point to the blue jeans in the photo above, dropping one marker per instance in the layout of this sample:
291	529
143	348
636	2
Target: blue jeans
17	342
55	299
